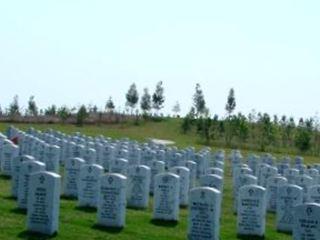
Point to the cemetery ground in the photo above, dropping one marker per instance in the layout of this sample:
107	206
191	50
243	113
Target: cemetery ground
79	223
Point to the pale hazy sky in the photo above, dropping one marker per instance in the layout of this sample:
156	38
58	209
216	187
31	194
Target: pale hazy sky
76	52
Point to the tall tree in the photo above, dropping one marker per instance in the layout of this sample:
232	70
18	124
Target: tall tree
198	101
158	97
110	105
51	110
231	102
64	113
14	108
303	135
145	102
176	108
82	114
132	97
32	107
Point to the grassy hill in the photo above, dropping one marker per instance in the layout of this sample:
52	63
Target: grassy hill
78	223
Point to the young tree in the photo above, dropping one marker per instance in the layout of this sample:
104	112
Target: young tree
32	107
176	109
82	114
198	101
132	97
110	105
303	135
64	113
145	102
231	102
51	110
267	134
1	111
158	97
14	108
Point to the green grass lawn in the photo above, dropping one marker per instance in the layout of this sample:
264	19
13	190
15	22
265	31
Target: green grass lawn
80	223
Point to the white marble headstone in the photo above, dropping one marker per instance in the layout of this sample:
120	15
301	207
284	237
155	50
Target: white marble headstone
166	197
288	197
71	176
184	175
156	168
112	200
15	167
88	185
306	224
273	185
204	214
138	186
251	218
26	169
44	203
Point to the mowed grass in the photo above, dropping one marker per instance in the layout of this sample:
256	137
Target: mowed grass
75	223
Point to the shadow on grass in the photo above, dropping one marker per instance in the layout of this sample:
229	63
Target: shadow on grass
9	198
86	209
33	235
3	177
19	211
136	208
68	198
112	230
248	237
164	223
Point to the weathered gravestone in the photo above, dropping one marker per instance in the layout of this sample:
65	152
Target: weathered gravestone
265	173
288	197
301	167
77	151
291	174
112	200
156	168
44	203
306	224
282	167
15	172
273	185
251	218
241	180
9	152
107	155
202	164
305	182
90	156
134	156
119	165
314	174
216	171
26	169
138	186
71	176
313	194
184	175
166	197
212	181
88	185
192	166
204	214
238	170
52	158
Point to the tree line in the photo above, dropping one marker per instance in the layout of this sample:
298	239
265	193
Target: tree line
256	131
